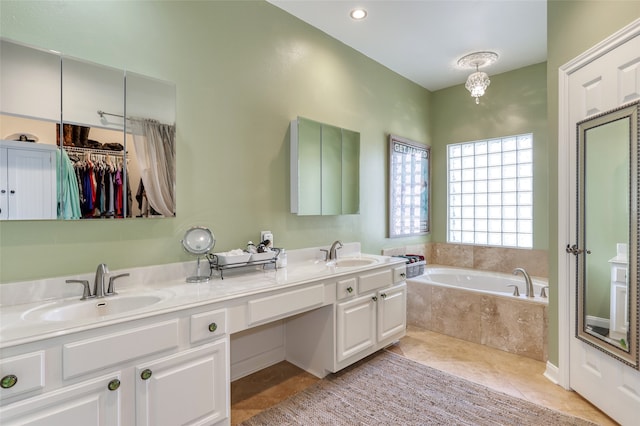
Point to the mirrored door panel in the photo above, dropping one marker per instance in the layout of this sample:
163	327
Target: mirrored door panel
607	247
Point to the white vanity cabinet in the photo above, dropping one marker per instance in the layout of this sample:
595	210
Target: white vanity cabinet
165	370
619	306
27	180
373	318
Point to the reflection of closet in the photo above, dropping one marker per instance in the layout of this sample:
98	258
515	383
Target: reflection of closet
101	184
27	180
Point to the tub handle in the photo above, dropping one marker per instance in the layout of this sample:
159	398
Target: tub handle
543	291
516	292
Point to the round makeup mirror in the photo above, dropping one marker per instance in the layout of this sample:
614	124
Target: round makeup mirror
198	241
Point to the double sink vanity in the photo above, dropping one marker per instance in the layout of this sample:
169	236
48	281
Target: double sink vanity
163	352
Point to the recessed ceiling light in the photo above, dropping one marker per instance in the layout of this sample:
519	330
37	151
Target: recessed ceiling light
358	14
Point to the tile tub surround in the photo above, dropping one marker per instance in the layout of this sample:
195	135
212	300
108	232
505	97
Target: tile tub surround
513	325
495	259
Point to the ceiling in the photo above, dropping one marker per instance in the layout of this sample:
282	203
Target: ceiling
422	40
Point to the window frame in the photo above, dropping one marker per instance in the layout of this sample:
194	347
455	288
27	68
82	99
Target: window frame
400	151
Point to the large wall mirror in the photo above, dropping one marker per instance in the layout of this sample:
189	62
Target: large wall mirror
608	230
82	140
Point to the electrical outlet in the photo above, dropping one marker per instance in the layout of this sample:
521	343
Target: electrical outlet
266	235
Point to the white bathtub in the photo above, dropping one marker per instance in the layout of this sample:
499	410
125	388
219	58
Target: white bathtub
483	281
479	307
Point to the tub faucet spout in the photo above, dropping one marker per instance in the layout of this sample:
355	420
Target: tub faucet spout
527	280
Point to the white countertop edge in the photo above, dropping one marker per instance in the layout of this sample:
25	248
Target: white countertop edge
14	330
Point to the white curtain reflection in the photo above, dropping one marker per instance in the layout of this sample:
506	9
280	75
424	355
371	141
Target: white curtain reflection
155	151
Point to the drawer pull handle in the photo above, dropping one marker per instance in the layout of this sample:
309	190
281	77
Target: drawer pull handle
213	327
349	289
146	374
374	298
383	295
8	381
403	274
113	385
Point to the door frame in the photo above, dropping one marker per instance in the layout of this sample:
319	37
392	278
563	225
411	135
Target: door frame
566	130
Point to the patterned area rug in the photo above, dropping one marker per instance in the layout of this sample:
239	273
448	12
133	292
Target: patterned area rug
388	389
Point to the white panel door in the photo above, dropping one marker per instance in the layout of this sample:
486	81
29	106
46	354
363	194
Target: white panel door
355	326
604	82
392	313
89	403
31	183
188	388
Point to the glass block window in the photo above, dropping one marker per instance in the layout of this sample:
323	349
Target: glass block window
490	192
409	165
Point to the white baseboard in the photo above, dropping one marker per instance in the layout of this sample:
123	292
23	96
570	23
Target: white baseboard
597	321
256	363
552	373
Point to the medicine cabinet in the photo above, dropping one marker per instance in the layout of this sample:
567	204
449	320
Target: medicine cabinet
325	169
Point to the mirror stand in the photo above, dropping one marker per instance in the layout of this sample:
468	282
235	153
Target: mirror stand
198	241
198	278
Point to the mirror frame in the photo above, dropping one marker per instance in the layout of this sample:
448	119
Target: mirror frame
630	357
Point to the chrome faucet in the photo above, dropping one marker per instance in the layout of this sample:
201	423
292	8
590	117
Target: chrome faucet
333	251
98	284
527	280
99	290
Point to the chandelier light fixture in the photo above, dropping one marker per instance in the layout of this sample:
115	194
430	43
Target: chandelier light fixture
477	82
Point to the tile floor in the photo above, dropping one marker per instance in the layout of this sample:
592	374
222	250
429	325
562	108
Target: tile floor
512	374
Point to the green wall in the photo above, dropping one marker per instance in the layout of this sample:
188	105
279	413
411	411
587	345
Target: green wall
515	103
243	70
572	28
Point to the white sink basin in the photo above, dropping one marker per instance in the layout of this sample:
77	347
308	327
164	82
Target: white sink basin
352	262
92	308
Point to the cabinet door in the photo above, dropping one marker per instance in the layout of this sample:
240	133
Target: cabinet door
392	313
188	388
355	326
89	403
31	184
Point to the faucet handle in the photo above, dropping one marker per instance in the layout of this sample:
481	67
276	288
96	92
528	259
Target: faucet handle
543	291
86	294
516	291
326	254
111	289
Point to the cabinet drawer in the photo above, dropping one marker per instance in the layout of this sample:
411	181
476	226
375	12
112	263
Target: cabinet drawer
374	281
104	351
283	304
208	325
346	288
22	373
399	274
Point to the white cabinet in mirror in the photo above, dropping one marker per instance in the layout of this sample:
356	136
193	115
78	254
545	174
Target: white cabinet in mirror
104	167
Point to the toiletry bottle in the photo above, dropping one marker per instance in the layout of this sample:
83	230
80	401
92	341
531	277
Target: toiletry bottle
282	259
